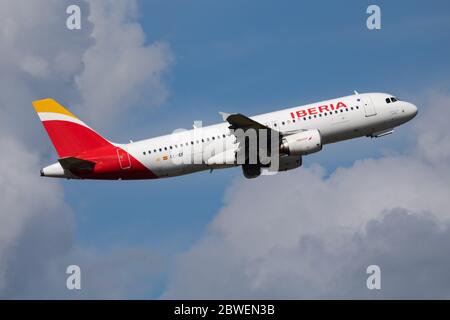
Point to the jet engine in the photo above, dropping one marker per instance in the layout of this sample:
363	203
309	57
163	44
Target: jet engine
285	163
251	170
301	143
289	163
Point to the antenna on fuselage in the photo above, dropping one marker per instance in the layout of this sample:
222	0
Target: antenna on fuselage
356	92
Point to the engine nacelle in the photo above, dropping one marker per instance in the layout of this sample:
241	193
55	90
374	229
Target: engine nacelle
251	171
286	163
302	143
289	163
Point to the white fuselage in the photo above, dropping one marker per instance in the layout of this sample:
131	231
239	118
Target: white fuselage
367	114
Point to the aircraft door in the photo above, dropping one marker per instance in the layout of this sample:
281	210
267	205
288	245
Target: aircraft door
124	159
369	107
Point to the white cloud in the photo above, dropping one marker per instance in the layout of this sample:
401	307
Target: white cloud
433	131
105	274
304	234
35	224
40	57
120	68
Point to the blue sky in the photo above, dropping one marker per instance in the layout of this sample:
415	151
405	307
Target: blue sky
254	57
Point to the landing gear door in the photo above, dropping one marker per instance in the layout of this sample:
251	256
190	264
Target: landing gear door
369	107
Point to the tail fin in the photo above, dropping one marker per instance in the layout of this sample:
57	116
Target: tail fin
69	135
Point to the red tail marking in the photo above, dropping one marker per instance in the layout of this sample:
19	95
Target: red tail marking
71	138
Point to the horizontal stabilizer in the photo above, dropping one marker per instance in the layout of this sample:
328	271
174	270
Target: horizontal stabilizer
72	163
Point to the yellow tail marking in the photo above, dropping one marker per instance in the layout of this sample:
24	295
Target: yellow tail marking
50	105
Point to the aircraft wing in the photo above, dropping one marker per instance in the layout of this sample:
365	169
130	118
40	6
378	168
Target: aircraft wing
240	121
72	163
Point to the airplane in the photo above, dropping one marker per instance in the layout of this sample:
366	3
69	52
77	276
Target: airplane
290	134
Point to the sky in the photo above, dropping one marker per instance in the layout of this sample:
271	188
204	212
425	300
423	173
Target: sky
138	69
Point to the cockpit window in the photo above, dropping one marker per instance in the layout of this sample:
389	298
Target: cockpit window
391	99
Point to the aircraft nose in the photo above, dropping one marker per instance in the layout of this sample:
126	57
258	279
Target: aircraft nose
412	110
409	110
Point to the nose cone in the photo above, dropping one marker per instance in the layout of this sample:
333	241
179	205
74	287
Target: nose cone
411	110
